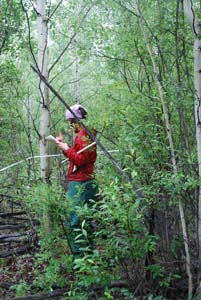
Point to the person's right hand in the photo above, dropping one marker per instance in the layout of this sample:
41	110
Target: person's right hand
61	145
60	137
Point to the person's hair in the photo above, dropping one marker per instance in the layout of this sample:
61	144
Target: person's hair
83	112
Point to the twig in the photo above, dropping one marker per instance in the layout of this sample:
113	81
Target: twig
68	44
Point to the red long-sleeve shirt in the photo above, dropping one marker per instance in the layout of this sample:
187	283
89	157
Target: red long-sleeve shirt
81	166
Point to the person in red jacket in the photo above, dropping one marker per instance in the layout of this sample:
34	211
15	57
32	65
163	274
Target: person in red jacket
81	182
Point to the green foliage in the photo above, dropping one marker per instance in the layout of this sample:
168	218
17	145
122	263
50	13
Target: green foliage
198	297
47	203
48	200
94	269
152	297
21	288
55	269
116	84
11	17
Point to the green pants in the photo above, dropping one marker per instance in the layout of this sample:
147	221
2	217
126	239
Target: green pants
78	193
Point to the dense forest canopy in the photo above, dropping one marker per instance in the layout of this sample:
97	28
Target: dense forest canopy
135	66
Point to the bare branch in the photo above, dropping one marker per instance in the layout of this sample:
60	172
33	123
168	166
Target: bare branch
30	45
102	54
70	41
50	16
34	8
126	8
29	35
52	79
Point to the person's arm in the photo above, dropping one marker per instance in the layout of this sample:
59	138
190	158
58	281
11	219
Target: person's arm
80	159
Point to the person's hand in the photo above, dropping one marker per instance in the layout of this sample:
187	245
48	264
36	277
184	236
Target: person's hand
60	137
61	145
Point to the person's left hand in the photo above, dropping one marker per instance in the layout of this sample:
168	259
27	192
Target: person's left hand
61	145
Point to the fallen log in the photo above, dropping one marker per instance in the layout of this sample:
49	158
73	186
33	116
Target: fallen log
11	214
119	284
4	236
18	251
41	296
15	237
33	221
14	226
6	285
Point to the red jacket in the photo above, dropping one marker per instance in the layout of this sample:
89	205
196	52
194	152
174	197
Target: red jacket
81	166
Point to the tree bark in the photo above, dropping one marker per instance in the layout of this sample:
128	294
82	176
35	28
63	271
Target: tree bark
43	67
196	28
45	114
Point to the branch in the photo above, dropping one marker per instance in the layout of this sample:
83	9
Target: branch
102	54
126	8
68	44
50	16
190	14
107	154
59	73
30	46
29	35
62	53
33	122
34	8
126	78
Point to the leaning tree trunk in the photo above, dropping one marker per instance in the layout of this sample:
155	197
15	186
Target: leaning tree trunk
172	150
196	26
43	67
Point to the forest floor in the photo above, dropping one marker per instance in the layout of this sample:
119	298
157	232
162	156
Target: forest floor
17	246
18	250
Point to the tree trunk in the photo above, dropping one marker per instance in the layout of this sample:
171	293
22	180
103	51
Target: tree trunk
196	27
45	115
43	67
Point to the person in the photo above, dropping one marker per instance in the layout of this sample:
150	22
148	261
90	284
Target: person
81	181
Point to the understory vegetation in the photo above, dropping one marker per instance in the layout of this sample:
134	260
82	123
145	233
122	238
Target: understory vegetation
131	64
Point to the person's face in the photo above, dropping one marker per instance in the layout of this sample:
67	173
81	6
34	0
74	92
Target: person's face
73	124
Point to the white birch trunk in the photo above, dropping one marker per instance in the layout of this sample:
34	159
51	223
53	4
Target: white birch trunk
45	115
43	67
190	14
172	151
